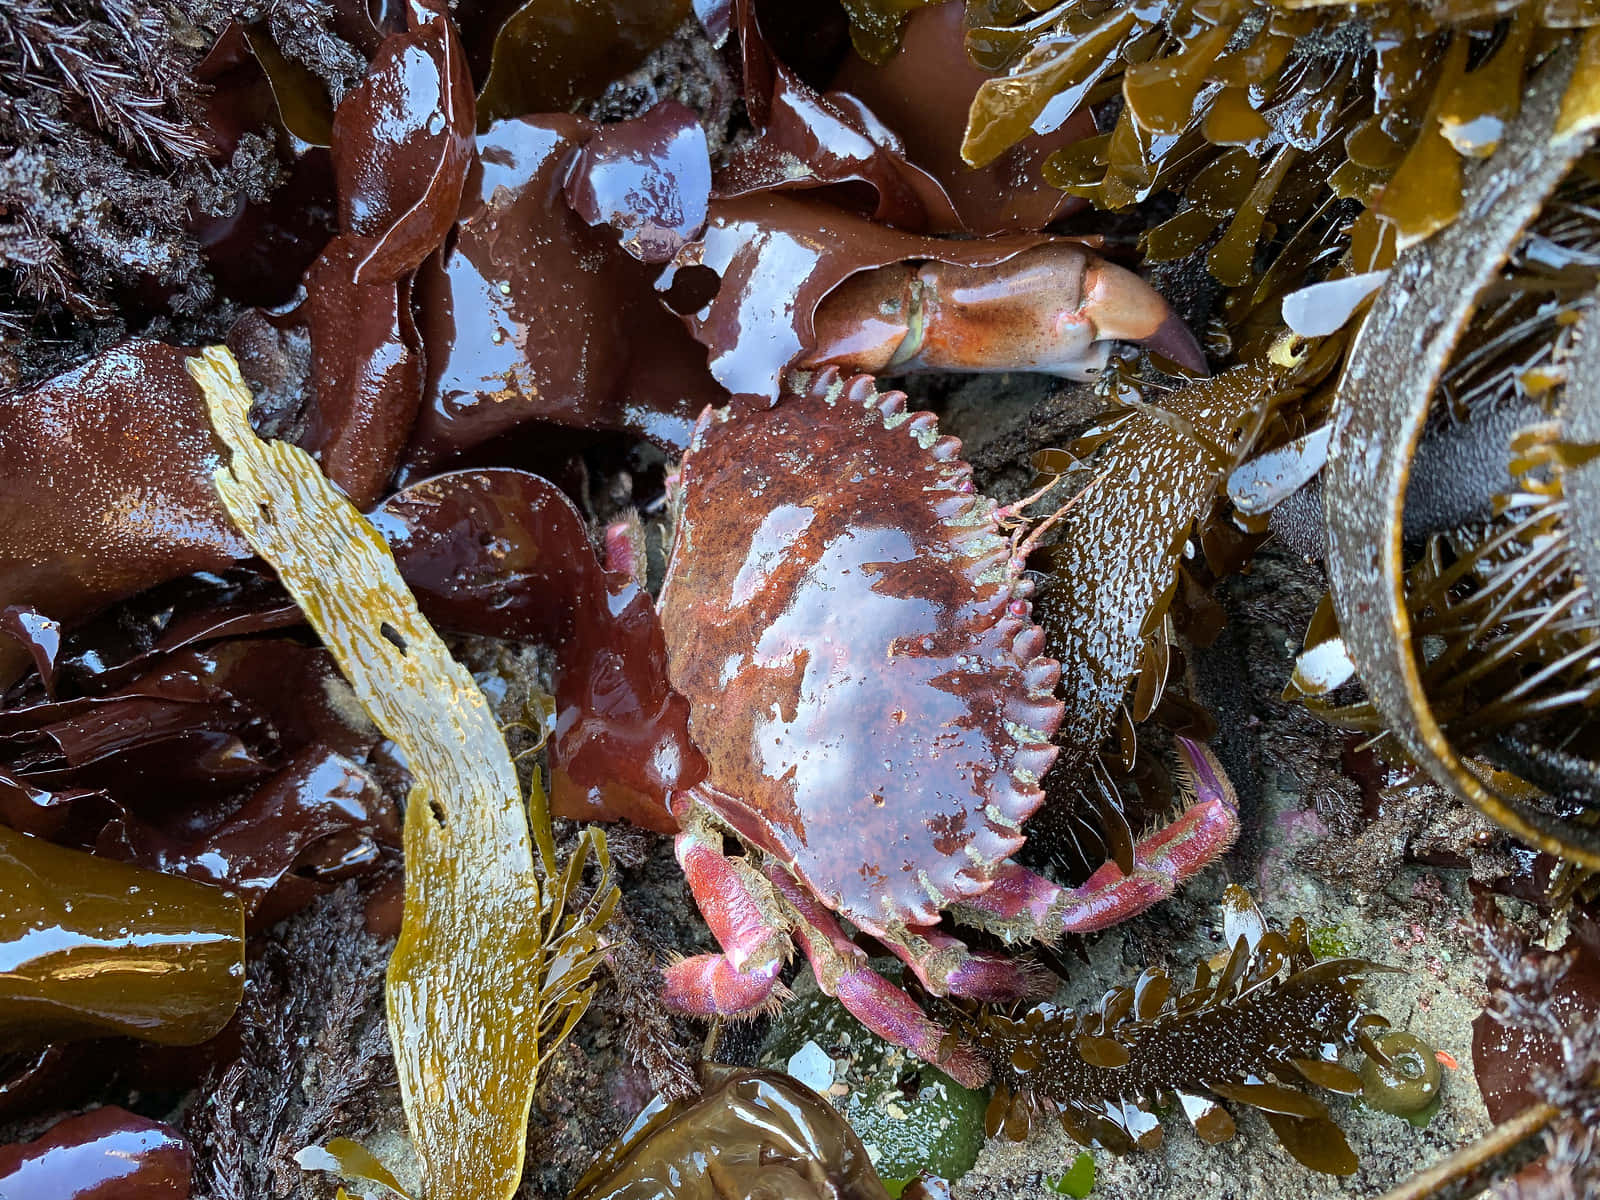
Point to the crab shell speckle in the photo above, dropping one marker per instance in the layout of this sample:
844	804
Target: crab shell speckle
843	615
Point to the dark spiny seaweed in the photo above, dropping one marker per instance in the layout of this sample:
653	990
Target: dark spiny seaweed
1271	1019
314	1059
119	67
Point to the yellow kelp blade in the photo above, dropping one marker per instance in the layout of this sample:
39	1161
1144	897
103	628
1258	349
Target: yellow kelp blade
489	962
351	1160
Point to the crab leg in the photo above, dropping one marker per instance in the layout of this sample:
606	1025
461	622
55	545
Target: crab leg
842	972
1023	906
1054	308
738	905
946	967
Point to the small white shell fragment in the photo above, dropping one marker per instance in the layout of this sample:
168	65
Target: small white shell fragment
1269	479
1323	308
811	1066
1322	668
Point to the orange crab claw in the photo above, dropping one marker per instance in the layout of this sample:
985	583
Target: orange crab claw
1125	308
1055	308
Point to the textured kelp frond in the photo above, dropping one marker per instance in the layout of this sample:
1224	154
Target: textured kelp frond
1396	366
492	966
1113	572
1270	1020
1500	585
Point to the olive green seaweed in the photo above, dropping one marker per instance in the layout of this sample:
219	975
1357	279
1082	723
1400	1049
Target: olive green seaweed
492	966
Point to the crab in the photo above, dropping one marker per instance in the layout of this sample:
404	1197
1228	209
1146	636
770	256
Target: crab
849	621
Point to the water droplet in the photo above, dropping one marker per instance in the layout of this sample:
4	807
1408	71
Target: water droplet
435	123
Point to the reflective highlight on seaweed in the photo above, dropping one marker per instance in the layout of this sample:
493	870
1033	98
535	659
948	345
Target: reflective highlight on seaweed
90	947
752	1133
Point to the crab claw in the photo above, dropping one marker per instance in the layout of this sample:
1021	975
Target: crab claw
1125	308
1055	308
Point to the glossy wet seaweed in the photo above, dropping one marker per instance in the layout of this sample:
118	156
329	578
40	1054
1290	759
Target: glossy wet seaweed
94	948
492	966
749	1133
1253	1031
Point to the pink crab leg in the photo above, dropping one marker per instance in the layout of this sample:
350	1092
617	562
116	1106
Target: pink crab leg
1024	906
624	548
1208	825
705	985
842	972
946	967
737	905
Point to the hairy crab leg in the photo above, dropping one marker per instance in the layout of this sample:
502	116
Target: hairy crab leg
1054	308
842	972
624	548
738	905
947	967
1023	906
1209	823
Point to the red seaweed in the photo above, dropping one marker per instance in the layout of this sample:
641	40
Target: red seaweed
106	1154
922	94
402	143
259	249
401	146
649	178
504	553
1540	997
73	454
571	334
239	764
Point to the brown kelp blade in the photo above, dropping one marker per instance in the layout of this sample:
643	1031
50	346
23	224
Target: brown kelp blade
1394	368
94	947
751	1133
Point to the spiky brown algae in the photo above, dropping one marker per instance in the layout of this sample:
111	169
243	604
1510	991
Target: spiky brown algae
1396	367
1500	583
1270	1020
493	963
